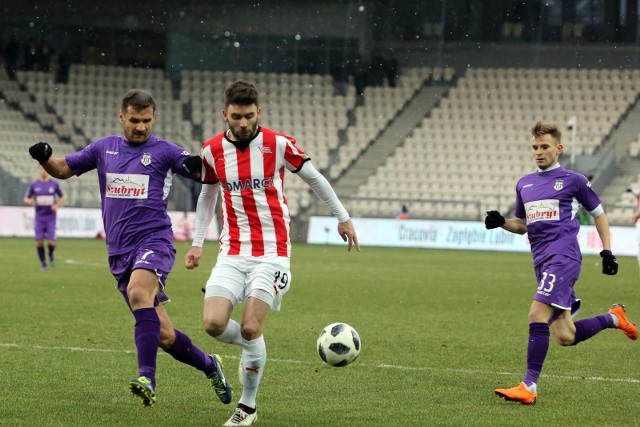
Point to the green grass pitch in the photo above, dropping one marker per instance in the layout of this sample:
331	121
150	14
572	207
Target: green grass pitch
440	331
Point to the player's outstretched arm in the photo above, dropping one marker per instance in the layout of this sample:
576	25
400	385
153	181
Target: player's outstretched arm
494	219
609	261
321	187
205	209
348	233
57	167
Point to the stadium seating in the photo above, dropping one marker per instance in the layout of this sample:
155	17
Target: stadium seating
19	129
380	105
89	102
465	156
473	147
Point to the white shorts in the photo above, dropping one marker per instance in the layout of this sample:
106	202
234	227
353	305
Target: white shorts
240	277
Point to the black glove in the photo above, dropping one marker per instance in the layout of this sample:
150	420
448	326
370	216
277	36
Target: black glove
193	164
41	152
493	220
609	263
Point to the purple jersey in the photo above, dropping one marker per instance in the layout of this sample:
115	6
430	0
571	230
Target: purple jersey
46	194
548	201
134	187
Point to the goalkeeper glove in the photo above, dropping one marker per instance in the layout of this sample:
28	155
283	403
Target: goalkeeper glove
41	152
493	220
609	263
193	164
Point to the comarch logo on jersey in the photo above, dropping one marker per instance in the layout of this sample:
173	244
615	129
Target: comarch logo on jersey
542	210
248	184
127	186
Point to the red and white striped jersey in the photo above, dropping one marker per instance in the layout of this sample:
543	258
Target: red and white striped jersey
255	215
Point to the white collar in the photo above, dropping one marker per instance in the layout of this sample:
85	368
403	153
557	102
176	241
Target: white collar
556	166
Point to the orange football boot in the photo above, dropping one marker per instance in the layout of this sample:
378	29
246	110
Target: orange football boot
624	324
518	394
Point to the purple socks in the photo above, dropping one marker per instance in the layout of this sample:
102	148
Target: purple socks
536	351
539	342
586	328
184	351
43	262
147	337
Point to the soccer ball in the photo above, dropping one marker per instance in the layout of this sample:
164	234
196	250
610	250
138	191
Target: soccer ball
338	344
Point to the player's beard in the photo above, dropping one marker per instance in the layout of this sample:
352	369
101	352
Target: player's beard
245	134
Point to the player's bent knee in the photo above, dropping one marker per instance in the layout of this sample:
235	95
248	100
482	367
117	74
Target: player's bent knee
250	330
138	300
167	339
214	327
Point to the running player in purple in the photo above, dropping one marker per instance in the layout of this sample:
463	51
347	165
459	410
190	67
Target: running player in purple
45	194
547	202
135	173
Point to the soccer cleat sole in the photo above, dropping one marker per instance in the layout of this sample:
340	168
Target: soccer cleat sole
225	394
508	399
144	395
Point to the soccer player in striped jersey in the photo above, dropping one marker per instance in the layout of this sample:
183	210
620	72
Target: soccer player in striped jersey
135	171
547	202
246	165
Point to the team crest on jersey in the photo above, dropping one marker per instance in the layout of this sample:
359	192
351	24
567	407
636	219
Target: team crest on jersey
264	150
146	159
558	185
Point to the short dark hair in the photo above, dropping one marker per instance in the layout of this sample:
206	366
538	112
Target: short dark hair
138	99
241	93
541	128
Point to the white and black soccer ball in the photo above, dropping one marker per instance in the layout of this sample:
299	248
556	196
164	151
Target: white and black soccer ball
338	344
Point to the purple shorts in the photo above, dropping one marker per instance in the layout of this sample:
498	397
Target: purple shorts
156	256
556	277
45	227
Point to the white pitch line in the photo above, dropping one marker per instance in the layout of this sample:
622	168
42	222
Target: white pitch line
477	371
92	264
381	366
79	349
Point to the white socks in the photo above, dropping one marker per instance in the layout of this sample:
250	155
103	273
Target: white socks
231	334
254	357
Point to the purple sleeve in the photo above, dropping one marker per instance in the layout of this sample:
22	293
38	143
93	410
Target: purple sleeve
585	194
59	190
84	160
29	192
519	208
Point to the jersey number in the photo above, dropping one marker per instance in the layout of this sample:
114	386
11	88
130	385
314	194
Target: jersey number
282	279
549	287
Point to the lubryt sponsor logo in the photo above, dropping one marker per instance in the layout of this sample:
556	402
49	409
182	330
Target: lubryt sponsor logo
127	186
542	210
